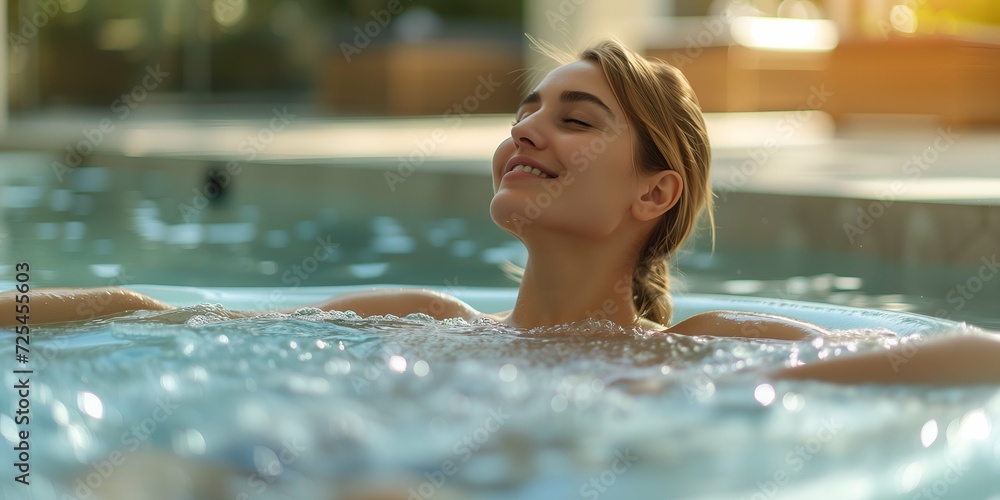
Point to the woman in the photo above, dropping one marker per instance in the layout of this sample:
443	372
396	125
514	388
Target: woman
603	178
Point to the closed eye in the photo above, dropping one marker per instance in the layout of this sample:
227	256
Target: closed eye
518	118
565	120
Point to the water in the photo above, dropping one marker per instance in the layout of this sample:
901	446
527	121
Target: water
197	404
193	403
152	220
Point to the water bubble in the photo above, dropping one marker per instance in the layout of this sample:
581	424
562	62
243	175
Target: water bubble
929	433
90	404
764	394
508	372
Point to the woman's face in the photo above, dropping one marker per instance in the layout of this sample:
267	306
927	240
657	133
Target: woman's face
573	130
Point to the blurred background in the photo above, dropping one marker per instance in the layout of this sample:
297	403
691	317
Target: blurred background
236	142
360	57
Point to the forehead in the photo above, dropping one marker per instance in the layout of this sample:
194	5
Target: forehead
584	76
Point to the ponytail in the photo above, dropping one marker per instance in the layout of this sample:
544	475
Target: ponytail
651	284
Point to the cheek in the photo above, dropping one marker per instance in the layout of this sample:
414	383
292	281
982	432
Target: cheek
607	185
605	168
503	153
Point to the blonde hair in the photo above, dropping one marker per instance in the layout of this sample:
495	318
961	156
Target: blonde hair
663	111
671	135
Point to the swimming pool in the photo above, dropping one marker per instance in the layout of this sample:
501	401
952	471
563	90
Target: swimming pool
128	220
326	405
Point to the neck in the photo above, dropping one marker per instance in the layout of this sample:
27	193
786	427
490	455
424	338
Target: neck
569	283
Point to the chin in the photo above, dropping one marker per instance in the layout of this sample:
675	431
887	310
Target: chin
508	213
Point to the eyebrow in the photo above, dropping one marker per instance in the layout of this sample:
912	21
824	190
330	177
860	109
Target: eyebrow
569	96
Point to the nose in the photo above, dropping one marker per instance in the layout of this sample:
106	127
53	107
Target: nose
526	133
524	140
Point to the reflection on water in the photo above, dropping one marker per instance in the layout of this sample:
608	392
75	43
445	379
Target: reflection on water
311	225
330	405
140	223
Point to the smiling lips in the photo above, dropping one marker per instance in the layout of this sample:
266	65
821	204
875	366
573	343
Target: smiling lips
530	170
522	166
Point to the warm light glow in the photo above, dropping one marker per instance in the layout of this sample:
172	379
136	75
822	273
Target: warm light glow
975	425
421	368
559	403
742	287
71	6
508	372
911	476
764	394
229	12
793	402
928	433
775	33
190	441
397	363
90	404
903	19
120	34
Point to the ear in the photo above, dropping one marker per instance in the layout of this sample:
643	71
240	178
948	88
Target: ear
658	193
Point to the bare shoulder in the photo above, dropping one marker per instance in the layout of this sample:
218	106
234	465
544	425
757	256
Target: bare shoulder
56	305
499	317
745	324
401	302
951	360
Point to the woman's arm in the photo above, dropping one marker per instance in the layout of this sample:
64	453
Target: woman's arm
399	302
958	360
55	305
747	325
